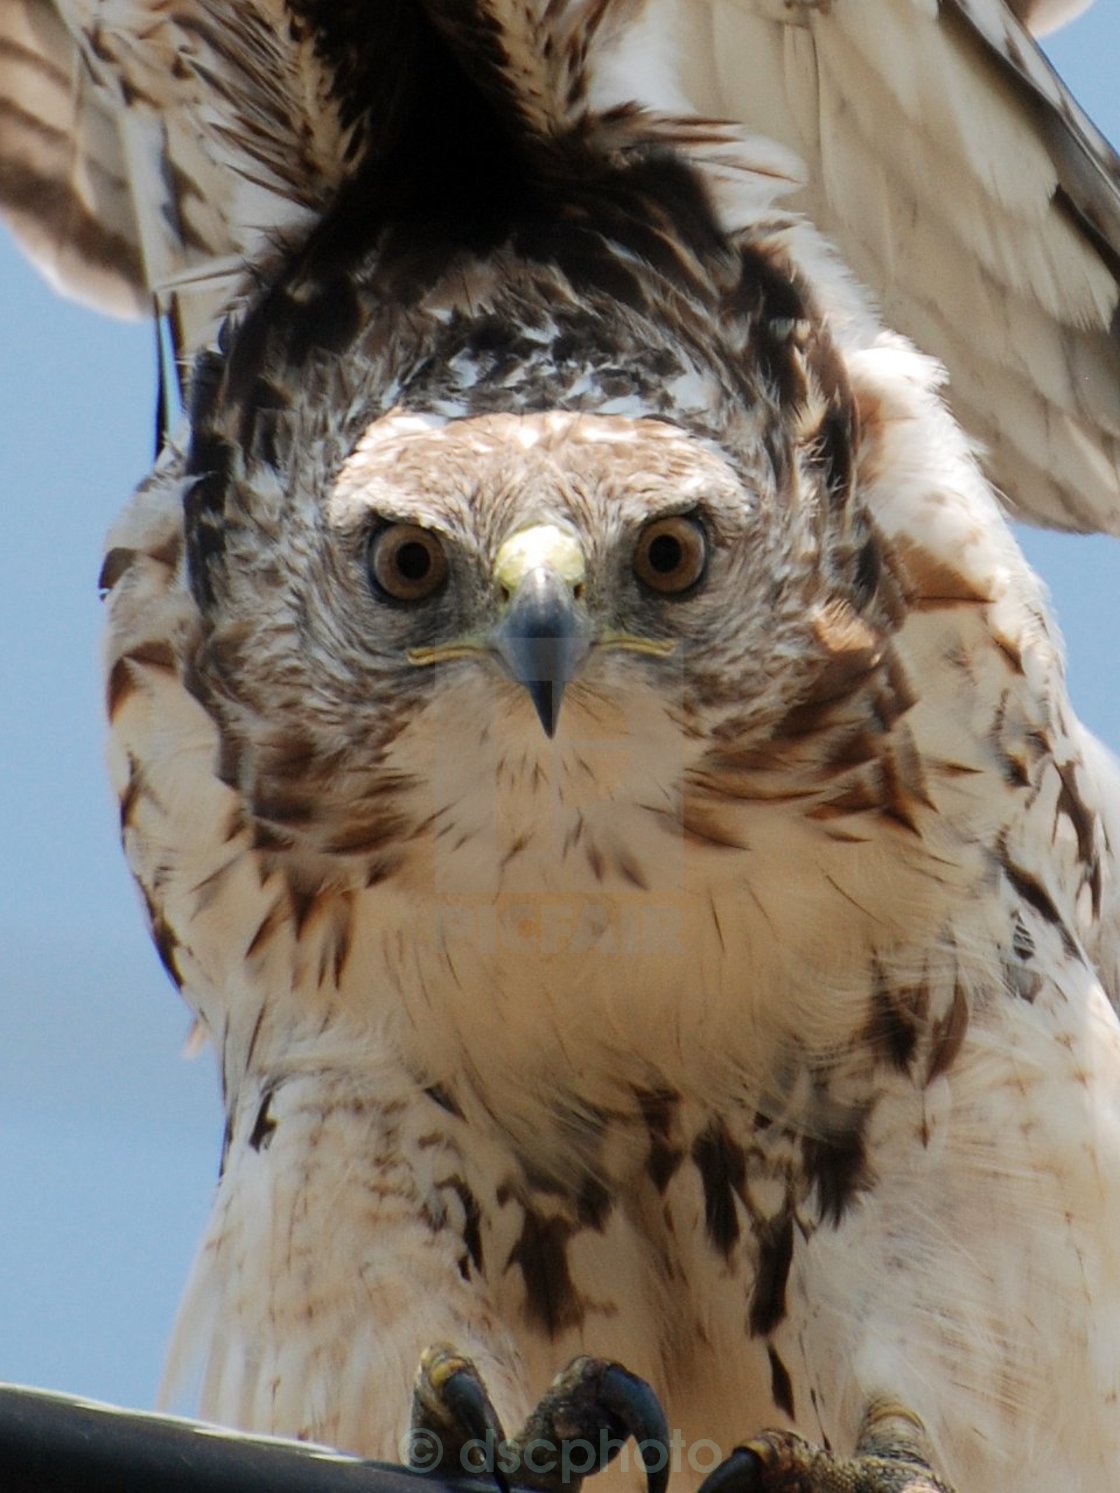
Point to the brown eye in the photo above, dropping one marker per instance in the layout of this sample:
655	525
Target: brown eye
671	554
407	563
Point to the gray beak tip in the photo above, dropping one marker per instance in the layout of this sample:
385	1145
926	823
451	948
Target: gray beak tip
546	696
542	640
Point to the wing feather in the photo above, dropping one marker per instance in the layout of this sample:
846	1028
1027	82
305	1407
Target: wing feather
64	184
964	186
156	149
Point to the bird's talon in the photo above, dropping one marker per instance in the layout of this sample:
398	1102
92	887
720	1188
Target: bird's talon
455	1428
783	1462
582	1422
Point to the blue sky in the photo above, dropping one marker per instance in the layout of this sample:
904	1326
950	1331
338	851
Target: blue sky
108	1137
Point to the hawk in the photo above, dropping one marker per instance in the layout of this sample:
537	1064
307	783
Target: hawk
595	759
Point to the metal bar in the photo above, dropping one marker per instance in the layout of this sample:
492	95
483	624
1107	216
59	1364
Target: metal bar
53	1443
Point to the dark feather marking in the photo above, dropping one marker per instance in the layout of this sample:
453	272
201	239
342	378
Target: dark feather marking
891	1027
851	651
302	902
948	1035
781	1386
274	919
902	795
768	296
869	568
472	1225
1010	650
701	822
930	581
260	429
832	448
286	808
589	262
861	796
853	748
165	939
594	1204
898	697
1022	942
813	716
203	515
836	1164
156	654
254	1036
723	1168
132	792
167	943
227	1142
122	678
551	1300
443	1096
116	564
775	1255
632	871
121	684
271	837
327	322
1020	982
288	754
1035	895
210	458
264	1125
1015	770
1084	821
658	1108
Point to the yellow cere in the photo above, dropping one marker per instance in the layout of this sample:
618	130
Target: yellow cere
542	546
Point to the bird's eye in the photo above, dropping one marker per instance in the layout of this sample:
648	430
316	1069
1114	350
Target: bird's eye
671	554
407	563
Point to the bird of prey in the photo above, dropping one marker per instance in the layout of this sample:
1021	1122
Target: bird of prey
595	759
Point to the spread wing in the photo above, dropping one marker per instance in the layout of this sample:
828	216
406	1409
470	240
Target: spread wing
149	150
965	187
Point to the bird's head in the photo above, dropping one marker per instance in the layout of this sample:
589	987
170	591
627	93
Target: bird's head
508	588
561	559
532	548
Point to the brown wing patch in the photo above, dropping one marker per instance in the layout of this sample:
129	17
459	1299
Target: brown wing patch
123	676
931	581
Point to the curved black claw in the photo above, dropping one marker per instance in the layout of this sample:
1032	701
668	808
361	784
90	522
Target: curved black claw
891	1457
583	1421
737	1473
637	1412
455	1428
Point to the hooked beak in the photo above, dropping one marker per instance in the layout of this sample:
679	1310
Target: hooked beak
544	636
